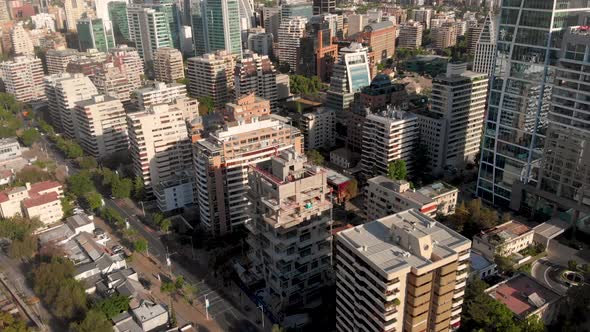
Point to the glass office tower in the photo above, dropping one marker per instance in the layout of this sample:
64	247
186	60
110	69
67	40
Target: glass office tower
529	36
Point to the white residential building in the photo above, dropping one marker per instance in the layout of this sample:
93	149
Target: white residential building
101	126
40	200
410	35
44	21
256	74
23	78
388	136
63	92
459	98
168	65
318	128
21	41
157	93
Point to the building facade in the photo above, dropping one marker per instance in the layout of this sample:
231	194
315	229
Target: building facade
256	74
403	272
168	65
23	78
290	33
289	230
484	54
211	76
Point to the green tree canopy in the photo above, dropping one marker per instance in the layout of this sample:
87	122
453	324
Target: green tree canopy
80	184
112	306
30	136
300	84
95	321
141	245
121	188
87	162
93	199
112	216
397	170
10	323
314	157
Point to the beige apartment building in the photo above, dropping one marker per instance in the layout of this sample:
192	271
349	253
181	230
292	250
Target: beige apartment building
23	78
289	230
63	92
160	146
212	75
444	36
256	74
168	65
112	80
222	162
101	126
403	272
128	59
246	108
157	93
40	200
58	60
504	240
22	43
410	35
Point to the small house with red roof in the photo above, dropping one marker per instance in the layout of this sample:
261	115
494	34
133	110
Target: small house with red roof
40	200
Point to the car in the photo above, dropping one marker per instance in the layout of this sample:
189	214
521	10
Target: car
98	231
117	248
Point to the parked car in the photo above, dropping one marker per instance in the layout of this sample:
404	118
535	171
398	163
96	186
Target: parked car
117	249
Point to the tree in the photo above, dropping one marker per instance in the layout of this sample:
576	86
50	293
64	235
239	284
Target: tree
93	199
18	227
112	306
482	312
504	263
31	174
167	287
351	188
207	103
80	184
179	283
30	136
24	248
141	245
532	324
87	162
121	188
112	216
572	264
67	206
315	157
573	311
54	282
10	323
397	170
138	188
277	328
95	321
165	225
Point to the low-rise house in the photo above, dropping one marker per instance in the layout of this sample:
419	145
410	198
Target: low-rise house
9	149
150	316
6	177
384	196
339	183
124	323
72	226
344	158
526	297
481	267
504	240
40	200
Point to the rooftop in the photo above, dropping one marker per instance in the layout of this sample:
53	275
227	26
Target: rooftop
507	231
478	262
41	200
375	241
522	295
436	189
335	177
148	310
401	187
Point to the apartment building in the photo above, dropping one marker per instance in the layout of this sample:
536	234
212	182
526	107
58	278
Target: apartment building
23	78
160	146
94	33
444	36
149	29
403	272
261	42
129	59
384	196
318	128
423	15
256	74
380	39
410	35
57	60
316	50
63	91
459	98
40	200
156	93
223	159
168	65
290	32
246	108
211	75
21	41
504	240
289	230
388	136
112	80
101	126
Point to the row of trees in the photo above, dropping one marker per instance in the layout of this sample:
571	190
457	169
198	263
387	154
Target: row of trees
300	84
19	230
472	217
